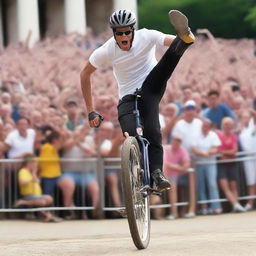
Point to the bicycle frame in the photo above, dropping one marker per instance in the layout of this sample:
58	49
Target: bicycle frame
143	142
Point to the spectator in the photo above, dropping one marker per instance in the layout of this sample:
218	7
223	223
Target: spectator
74	117
30	189
216	111
189	122
21	140
49	166
205	149
6	114
80	145
24	109
170	113
111	140
36	119
247	139
186	95
176	163
6	98
227	171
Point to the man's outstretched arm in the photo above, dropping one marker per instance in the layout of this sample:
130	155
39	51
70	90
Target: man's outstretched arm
85	78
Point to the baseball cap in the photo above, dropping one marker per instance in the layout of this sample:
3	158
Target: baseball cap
190	104
177	137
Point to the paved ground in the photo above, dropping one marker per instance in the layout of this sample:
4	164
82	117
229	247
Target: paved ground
228	234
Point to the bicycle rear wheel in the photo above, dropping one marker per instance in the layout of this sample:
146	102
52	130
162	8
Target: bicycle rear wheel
137	204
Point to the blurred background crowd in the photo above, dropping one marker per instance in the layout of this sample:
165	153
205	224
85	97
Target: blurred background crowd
207	113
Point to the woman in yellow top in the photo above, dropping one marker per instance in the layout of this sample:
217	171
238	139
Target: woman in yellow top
30	189
49	163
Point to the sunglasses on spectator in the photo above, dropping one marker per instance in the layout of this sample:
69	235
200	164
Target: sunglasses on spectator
126	32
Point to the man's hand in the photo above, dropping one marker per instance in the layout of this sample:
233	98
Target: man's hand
95	119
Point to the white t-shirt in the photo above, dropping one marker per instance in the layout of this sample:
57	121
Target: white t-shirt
131	67
205	143
106	145
248	137
162	121
188	131
77	153
20	145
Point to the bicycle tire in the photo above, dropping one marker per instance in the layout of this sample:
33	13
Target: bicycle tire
137	205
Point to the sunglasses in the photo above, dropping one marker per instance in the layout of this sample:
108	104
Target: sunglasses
126	32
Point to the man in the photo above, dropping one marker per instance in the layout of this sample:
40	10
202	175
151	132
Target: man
21	140
132	54
74	117
217	110
205	149
189	128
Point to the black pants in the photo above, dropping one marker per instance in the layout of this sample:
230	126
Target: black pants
152	91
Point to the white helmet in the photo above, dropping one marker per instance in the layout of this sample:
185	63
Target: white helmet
122	18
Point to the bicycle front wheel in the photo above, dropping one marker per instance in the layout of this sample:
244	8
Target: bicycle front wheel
137	204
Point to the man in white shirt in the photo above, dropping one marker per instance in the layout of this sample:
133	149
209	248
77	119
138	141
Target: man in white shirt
188	127
21	140
205	150
132	55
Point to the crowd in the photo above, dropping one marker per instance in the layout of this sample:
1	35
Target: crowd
207	113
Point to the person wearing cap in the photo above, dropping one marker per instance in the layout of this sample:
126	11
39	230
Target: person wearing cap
132	54
176	162
188	127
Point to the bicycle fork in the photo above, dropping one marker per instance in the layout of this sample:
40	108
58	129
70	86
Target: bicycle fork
144	144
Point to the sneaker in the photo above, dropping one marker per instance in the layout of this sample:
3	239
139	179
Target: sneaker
170	217
70	215
217	211
238	208
203	211
160	181
180	24
248	207
189	215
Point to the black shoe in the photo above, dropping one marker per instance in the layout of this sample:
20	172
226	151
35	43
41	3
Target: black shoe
160	181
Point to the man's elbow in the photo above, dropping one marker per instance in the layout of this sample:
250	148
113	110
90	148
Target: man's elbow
87	71
83	74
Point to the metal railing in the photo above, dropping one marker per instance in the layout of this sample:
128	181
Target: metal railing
9	188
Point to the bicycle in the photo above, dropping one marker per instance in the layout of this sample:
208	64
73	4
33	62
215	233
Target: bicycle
137	182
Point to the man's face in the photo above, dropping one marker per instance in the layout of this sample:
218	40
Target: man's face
189	114
206	127
187	93
213	101
22	125
71	109
123	37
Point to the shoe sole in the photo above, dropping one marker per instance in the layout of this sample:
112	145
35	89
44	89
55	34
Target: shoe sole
164	187
179	22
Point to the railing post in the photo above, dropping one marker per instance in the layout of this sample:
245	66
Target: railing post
101	180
